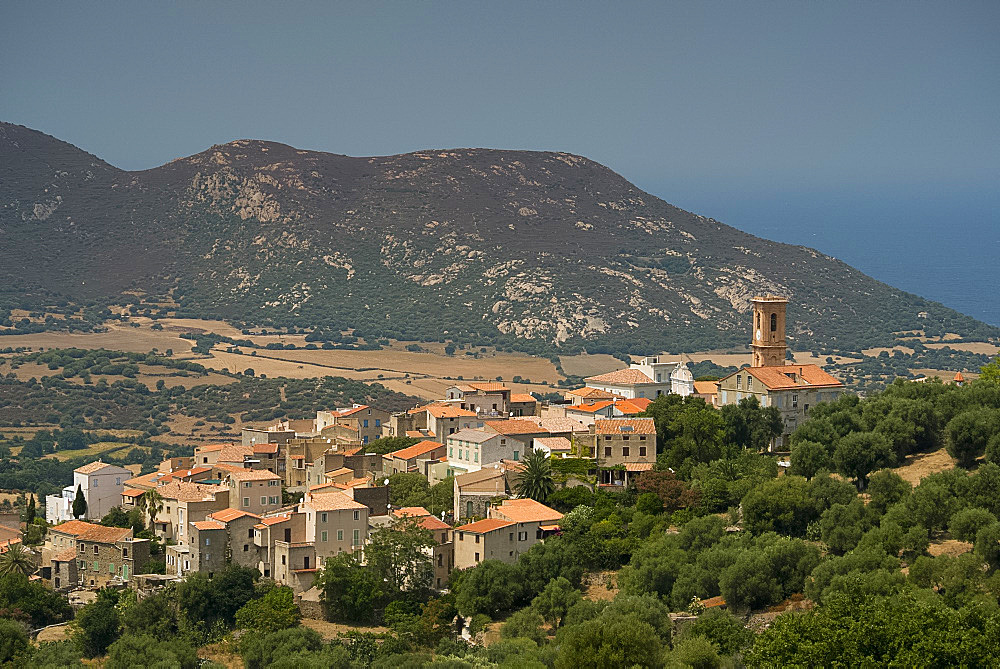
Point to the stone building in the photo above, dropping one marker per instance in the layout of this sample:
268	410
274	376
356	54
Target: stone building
623	448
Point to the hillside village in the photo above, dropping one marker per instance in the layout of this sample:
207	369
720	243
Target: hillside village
293	495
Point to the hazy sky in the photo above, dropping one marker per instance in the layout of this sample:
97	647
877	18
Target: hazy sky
795	121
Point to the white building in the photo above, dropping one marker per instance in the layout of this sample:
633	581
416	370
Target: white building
649	378
102	486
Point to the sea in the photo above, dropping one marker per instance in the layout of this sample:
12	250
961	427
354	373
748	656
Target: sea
940	243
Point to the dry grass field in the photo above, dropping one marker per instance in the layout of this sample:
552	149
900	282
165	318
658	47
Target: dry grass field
921	465
589	365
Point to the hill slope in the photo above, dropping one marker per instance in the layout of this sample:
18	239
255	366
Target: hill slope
532	250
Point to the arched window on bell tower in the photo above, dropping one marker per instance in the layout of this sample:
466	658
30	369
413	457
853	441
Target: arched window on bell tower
774	322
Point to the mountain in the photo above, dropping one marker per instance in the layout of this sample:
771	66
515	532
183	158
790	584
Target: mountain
536	251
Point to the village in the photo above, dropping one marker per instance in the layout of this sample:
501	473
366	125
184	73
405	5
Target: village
291	494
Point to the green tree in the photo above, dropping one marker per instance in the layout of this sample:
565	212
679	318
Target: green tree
965	524
727	632
535	480
492	587
990	373
276	610
14	645
886	488
31	601
399	555
143	650
783	505
968	434
16	560
265	650
988	545
155	615
57	655
809	458
610	641
79	502
349	590
555	601
695	652
29	514
525	624
858	454
97	625
151	503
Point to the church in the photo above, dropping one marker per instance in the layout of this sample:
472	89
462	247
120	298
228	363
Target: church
791	388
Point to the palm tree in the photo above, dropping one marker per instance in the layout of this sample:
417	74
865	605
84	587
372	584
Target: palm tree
151	502
535	480
16	560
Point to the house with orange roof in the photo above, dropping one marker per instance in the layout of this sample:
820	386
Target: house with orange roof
363	422
649	378
792	389
708	391
623	448
510	530
588	395
256	491
522	404
101	484
104	556
334	522
184	502
560	447
483	398
208	454
408	459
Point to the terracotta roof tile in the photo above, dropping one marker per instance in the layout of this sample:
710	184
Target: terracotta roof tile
590	408
522	398
133	492
227	515
706	387
411	511
208	525
787	377
638	466
105	535
67	555
332	501
92	467
514	426
274	520
592	393
265	448
353	410
235	453
555	443
190	492
526	511
621	377
210	448
486	387
74	527
483	526
557	424
253	475
416	450
632	426
433	524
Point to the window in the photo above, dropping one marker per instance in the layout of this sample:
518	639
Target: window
357	516
795	401
642	451
124	552
95	549
340	535
440	564
451	452
263	501
468	508
517	456
247	484
625	451
118	480
378	422
477	538
625	438
607	451
246	548
357	537
642	438
322	517
477	557
475	456
366	422
208	541
111	568
739	382
246	501
250	533
96	568
282	559
749	382
774	322
81	548
272	500
323	536
512	536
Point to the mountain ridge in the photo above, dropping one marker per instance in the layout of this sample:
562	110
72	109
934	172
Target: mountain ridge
541	251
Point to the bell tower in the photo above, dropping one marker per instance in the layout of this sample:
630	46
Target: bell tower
768	335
